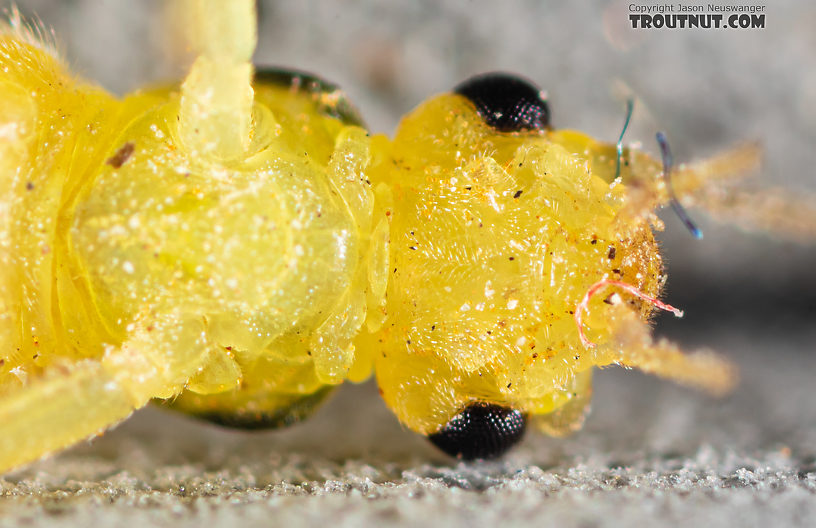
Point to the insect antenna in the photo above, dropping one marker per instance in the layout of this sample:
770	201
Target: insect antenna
668	163
630	106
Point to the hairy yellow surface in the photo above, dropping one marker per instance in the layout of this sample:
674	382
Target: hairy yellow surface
137	266
238	247
495	239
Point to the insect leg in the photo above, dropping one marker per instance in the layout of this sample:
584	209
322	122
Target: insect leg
633	346
730	166
216	97
568	418
53	412
711	185
72	401
776	210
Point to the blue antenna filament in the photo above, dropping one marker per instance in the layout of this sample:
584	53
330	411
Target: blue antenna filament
668	163
630	106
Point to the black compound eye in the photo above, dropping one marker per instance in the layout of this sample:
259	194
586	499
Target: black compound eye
506	102
329	99
481	430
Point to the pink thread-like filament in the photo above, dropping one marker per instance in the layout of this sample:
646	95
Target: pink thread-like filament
582	306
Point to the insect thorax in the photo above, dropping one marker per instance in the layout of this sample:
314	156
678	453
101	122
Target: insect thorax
270	254
495	238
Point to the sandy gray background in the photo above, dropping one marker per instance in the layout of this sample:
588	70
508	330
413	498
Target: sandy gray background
651	454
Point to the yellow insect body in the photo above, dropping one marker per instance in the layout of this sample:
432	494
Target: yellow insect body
241	249
137	263
495	240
